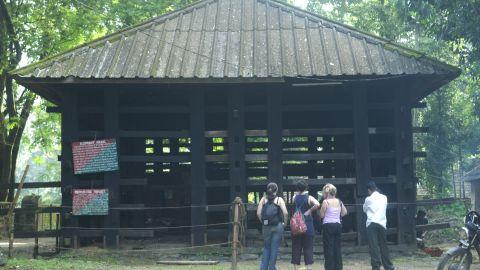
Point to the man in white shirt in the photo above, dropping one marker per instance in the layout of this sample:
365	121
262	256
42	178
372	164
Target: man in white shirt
375	207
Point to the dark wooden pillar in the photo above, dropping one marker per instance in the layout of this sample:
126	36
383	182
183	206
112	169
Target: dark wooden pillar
236	144
198	178
274	130
362	157
112	179
406	184
70	133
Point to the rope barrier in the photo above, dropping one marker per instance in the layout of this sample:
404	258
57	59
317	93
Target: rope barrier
143	250
146	228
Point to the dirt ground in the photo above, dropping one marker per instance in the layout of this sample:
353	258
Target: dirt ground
144	256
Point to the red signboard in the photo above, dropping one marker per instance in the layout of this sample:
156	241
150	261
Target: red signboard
95	156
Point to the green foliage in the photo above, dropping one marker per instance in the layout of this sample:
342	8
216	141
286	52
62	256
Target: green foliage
446	30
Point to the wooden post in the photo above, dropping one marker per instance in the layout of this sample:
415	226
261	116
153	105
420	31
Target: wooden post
406	185
274	130
35	247
197	170
69	181
236	224
112	179
11	212
57	236
362	157
236	144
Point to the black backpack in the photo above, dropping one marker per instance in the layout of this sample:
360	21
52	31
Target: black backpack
271	213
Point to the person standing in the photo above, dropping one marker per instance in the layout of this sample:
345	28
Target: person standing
331	212
306	204
375	207
273	213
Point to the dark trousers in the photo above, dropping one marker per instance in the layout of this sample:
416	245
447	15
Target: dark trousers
332	233
303	242
377	241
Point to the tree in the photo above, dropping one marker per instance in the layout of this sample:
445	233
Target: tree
446	30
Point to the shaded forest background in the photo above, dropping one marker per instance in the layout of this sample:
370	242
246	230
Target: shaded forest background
447	30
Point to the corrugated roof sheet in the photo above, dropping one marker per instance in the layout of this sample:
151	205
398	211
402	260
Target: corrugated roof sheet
236	38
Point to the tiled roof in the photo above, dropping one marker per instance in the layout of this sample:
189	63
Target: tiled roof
236	38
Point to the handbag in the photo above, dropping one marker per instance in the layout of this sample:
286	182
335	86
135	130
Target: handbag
297	223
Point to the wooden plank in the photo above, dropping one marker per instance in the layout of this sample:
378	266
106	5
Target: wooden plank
317	107
111	179
130	206
218	183
154	109
217	158
133	181
362	156
151	158
84	109
318	131
318	156
140	233
197	169
384	155
153	133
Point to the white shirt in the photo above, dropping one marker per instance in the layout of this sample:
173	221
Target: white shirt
375	207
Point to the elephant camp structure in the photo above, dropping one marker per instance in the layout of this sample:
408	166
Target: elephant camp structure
215	100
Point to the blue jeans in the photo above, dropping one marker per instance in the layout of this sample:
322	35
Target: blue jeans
272	238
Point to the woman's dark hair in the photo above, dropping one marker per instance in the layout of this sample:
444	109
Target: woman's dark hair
272	189
301	185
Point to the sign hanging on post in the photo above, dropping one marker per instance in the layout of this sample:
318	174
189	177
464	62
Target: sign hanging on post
95	156
90	202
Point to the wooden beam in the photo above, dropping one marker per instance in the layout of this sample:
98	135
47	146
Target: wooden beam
236	144
421	129
153	134
419	105
318	156
275	137
69	180
406	185
54	109
153	158
32	185
362	156
197	174
133	181
111	179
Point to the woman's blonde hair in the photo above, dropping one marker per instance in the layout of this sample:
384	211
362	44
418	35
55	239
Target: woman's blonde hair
329	189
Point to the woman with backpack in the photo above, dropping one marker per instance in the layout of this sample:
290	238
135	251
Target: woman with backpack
331	212
303	240
272	212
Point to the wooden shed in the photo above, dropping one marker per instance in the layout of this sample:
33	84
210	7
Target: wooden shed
219	98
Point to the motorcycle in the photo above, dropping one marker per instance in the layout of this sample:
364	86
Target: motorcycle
460	257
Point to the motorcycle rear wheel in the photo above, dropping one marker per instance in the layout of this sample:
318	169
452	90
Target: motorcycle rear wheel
451	260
